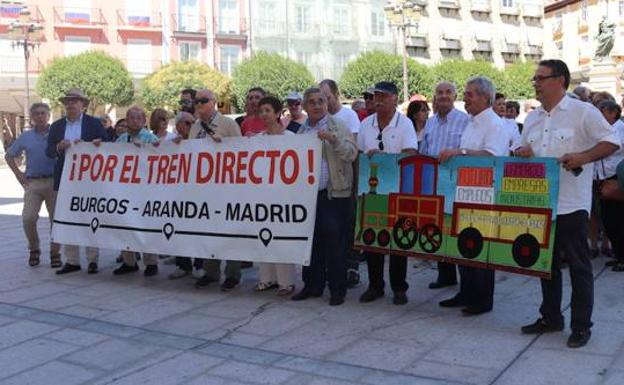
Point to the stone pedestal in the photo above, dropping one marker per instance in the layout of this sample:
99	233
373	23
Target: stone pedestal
605	76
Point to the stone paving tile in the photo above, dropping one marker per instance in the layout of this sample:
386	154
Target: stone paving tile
235	306
252	373
208	379
28	293
21	331
389	378
30	354
6	320
56	302
54	372
84	311
191	324
113	354
240	353
607	339
275	320
147	313
244	339
459	373
386	355
76	337
168	340
325	367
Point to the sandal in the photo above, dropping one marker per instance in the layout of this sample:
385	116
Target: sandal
264	286
55	261
33	258
286	290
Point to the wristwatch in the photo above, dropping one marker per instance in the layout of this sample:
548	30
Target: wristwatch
463	151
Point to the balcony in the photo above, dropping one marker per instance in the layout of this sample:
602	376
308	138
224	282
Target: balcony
534	11
450	44
14	66
305	30
534	50
509	11
557	33
480	6
129	20
421	3
188	25
342	32
11	12
269	28
230	28
417	41
140	68
90	18
482	46
448	4
511	48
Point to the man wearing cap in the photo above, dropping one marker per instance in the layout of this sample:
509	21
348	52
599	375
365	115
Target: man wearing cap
386	131
75	127
36	180
444	131
296	116
369	104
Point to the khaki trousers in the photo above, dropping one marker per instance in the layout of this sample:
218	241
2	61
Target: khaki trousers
37	192
72	254
130	260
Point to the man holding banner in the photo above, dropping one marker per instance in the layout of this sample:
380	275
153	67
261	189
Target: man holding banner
75	127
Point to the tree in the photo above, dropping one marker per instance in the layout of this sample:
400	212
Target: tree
517	83
375	66
275	74
459	71
162	87
103	78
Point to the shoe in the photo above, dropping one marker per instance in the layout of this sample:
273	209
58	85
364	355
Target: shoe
33	258
246	265
92	268
336	300
305	294
119	258
67	268
125	269
179	273
199	273
453	302
370	295
439	285
55	261
284	291
353	278
472	311
400	298
579	338
265	286
541	326
150	270
170	261
229	284
204	281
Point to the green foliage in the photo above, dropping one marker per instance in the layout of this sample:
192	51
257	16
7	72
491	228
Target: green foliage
459	71
275	74
375	66
517	84
103	78
161	89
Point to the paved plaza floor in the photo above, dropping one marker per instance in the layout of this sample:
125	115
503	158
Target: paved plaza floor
101	329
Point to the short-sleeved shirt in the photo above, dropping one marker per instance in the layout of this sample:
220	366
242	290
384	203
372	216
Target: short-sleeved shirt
486	132
513	131
397	136
606	168
571	126
38	164
143	136
443	133
252	125
349	118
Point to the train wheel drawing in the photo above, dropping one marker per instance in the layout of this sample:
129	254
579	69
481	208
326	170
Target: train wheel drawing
405	233
383	238
470	242
525	250
368	236
430	238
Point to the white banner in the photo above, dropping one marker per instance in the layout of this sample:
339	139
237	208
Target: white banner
251	199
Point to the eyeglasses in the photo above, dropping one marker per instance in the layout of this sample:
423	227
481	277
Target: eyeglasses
368	97
537	78
185	102
202	101
380	144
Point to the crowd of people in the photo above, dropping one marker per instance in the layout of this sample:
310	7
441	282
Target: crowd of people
583	130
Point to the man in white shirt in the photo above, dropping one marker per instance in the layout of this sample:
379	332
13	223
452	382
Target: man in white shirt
577	134
392	132
511	127
483	136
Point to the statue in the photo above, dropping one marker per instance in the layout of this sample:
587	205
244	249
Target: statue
605	39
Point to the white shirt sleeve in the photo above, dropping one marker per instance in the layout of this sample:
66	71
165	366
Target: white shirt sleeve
410	139
496	141
598	129
361	136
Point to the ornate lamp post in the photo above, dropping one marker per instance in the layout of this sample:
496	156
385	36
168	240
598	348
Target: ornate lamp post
401	15
26	33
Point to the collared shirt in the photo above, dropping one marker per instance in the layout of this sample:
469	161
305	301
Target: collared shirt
73	130
38	164
397	136
443	133
571	126
306	128
349	118
143	136
220	125
606	168
513	131
252	125
486	132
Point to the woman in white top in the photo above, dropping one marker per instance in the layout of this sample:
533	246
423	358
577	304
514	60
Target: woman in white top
159	121
279	276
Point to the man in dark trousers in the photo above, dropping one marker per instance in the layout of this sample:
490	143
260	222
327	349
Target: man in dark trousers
75	127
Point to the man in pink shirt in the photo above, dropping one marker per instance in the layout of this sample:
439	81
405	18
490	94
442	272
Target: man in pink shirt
251	124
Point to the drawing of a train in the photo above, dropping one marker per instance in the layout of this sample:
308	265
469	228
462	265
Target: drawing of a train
413	222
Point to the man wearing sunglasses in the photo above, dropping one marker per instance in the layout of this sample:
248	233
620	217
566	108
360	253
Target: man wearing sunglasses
387	131
369	104
296	115
186	102
577	134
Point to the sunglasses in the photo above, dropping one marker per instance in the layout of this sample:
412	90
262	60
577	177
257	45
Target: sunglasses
202	101
293	103
368	97
380	144
185	102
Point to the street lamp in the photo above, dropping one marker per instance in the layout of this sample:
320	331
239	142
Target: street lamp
26	33
403	14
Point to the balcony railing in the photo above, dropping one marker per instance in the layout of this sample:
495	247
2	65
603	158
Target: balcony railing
307	30
448	4
342	32
417	41
79	17
11	12
142	67
532	10
14	65
188	24
511	10
511	48
450	44
480	6
483	46
534	50
138	20
230	26
267	28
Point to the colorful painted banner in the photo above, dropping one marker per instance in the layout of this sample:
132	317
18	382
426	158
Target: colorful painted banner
251	199
490	212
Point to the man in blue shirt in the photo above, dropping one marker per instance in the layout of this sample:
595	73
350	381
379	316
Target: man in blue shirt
37	180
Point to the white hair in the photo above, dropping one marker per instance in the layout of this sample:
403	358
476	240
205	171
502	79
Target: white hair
484	86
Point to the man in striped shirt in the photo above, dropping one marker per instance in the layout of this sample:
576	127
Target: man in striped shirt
444	131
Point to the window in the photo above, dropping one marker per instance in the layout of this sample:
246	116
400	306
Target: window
189	51
342	21
621	7
558	22
266	16
228	58
559	46
378	23
12	58
302	18
584	11
188	15
139	56
304	57
507	3
75	45
229	20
